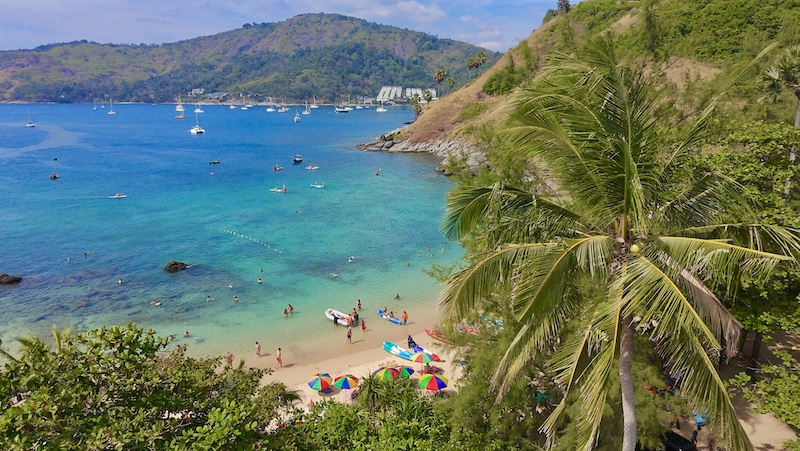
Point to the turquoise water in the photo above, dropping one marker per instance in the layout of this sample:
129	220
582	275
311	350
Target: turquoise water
221	219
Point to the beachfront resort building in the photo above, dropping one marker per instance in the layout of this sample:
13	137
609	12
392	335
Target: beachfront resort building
400	94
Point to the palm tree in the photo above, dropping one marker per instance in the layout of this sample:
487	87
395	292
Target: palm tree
439	75
624	243
784	74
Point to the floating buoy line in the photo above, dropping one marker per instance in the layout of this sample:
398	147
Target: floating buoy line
249	238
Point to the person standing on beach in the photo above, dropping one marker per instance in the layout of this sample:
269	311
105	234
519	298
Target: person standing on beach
363	326
359	304
258	349
229	358
405	317
278	358
350	335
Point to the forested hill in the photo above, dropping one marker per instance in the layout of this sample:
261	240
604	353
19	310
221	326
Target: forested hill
325	55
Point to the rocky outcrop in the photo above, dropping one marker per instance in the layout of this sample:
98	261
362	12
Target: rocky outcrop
5	279
450	151
175	266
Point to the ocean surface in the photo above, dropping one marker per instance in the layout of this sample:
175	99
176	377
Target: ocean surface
72	244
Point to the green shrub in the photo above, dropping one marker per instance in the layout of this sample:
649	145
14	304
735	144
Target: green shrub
471	111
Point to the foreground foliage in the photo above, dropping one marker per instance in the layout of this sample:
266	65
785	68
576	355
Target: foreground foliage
117	388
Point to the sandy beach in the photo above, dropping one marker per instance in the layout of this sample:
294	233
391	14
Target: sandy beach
361	358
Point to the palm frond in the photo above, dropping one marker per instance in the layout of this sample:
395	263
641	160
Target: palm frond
702	202
716	262
490	274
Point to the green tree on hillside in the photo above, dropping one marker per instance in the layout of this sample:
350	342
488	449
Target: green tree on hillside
624	241
784	74
439	75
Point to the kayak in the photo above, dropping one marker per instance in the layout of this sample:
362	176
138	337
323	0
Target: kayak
393	349
435	334
406	354
341	318
394	320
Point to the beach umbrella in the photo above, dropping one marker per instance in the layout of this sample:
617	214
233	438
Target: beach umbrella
422	357
345	382
386	373
432	382
321	381
405	371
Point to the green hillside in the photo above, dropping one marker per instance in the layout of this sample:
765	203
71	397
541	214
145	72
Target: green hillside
694	47
327	55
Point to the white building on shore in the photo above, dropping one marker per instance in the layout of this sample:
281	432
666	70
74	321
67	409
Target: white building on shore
398	93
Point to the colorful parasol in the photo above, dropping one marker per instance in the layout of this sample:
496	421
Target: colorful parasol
422	357
346	382
432	382
386	373
321	381
405	371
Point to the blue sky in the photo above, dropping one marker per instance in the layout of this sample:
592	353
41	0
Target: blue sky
25	24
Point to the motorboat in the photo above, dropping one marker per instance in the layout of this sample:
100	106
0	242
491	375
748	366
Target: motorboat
277	168
270	110
118	196
337	109
279	190
214	161
341	318
297	117
318	185
53	176
197	130
312	167
297	158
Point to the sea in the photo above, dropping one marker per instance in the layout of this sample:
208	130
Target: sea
88	259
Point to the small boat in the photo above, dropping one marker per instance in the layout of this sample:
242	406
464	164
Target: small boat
30	123
318	185
394	320
198	109
312	167
279	190
381	108
232	107
155	303
270	110
393	349
214	161
197	129
341	318
277	168
118	196
180	116
337	109
436	335
297	158
179	107
297	117
111	107
307	110
53	176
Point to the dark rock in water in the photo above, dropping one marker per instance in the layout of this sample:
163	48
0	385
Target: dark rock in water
175	266
5	279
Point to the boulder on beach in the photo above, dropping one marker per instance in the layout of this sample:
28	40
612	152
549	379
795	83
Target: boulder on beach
5	279
175	266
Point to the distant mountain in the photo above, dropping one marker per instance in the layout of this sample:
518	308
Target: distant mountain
325	55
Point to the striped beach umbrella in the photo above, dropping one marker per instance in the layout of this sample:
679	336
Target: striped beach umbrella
346	382
432	382
421	357
321	381
386	373
405	371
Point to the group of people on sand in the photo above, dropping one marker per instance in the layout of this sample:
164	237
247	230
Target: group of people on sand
390	314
